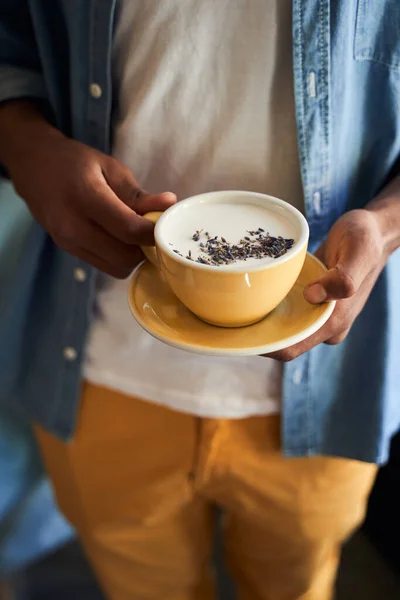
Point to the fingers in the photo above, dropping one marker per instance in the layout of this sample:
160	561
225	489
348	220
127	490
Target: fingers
102	265
103	251
106	210
289	354
111	250
142	202
339	338
343	280
323	336
353	251
335	284
122	182
122	218
337	328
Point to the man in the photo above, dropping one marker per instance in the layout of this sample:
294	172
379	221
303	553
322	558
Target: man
189	97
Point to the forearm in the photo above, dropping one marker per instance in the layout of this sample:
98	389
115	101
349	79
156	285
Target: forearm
22	127
386	208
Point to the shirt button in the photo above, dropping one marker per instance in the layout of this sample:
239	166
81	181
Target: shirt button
312	85
70	353
95	90
297	376
80	274
317	202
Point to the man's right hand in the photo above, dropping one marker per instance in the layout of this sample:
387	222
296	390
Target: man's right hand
88	202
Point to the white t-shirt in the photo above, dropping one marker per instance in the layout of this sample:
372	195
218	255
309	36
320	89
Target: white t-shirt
205	103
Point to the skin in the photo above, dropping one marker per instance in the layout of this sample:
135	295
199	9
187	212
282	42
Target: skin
355	252
92	207
89	203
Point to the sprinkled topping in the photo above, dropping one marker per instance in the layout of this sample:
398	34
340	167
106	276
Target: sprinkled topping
258	244
196	236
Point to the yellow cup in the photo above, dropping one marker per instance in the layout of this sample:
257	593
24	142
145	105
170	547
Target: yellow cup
237	296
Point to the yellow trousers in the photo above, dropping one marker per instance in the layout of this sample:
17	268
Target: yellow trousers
141	482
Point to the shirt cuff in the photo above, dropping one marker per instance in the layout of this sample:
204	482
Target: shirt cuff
16	83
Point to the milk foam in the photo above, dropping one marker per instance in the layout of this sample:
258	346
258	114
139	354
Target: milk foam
230	221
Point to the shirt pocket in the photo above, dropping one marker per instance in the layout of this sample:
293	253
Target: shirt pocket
377	35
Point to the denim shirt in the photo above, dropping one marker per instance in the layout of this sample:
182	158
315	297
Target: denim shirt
339	400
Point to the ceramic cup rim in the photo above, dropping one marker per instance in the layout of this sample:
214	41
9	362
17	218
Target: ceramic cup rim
209	197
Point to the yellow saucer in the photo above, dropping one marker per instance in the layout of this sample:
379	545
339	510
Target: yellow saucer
162	315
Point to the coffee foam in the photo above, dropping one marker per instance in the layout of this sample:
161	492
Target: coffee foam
230	221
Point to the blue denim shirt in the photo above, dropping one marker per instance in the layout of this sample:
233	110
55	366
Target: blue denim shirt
340	400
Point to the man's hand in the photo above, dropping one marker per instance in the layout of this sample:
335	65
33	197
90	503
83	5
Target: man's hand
88	202
355	253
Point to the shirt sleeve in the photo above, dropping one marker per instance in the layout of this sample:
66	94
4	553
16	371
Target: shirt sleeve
20	66
17	82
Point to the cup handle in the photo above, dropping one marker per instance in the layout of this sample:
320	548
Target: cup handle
150	252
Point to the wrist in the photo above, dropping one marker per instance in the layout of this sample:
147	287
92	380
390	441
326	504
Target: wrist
386	210
22	129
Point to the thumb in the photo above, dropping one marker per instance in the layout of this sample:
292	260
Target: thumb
123	183
343	280
142	202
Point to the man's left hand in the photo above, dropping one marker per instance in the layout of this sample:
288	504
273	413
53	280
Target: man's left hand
355	253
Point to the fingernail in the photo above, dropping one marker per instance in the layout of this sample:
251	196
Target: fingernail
316	293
